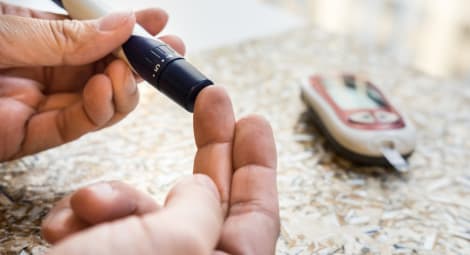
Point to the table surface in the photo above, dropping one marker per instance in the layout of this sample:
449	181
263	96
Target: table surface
328	206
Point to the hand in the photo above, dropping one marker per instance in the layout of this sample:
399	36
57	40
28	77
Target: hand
58	80
238	215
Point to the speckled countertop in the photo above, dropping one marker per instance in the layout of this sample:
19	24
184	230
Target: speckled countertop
327	205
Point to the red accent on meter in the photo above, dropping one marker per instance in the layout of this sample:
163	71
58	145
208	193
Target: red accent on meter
378	115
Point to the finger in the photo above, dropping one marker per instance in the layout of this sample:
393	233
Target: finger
18	99
14	115
252	226
192	214
190	223
9	9
175	42
125	92
22	90
109	201
55	127
72	78
58	101
61	222
92	205
105	99
254	145
61	42
214	127
152	19
60	79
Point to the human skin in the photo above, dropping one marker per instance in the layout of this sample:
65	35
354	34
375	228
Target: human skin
58	80
62	83
236	214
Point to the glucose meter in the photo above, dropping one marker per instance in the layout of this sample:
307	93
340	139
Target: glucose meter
156	62
358	121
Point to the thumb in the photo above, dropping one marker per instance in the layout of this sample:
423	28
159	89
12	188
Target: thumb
190	223
38	42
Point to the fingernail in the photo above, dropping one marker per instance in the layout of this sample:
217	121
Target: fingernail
114	21
103	189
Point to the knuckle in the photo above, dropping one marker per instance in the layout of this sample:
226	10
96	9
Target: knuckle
68	36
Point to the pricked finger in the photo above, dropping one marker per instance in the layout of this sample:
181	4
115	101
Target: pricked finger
214	127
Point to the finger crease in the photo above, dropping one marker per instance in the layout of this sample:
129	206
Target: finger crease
209	143
254	165
23	138
252	206
148	233
46	74
58	31
61	126
90	119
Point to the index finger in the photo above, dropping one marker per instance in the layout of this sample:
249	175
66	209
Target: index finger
214	127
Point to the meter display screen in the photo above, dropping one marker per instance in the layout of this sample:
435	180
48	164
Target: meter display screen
349	94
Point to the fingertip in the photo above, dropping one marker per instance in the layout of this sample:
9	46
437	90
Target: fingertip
254	143
98	99
125	90
152	19
254	119
99	203
175	42
87	202
211	96
61	224
257	123
214	120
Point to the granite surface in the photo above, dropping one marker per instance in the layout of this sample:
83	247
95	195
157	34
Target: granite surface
328	206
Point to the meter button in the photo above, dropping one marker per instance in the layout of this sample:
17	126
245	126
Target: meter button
386	117
362	118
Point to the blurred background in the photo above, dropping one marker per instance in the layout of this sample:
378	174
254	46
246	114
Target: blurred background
431	36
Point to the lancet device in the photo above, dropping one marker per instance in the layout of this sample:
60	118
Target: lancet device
358	121
155	61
